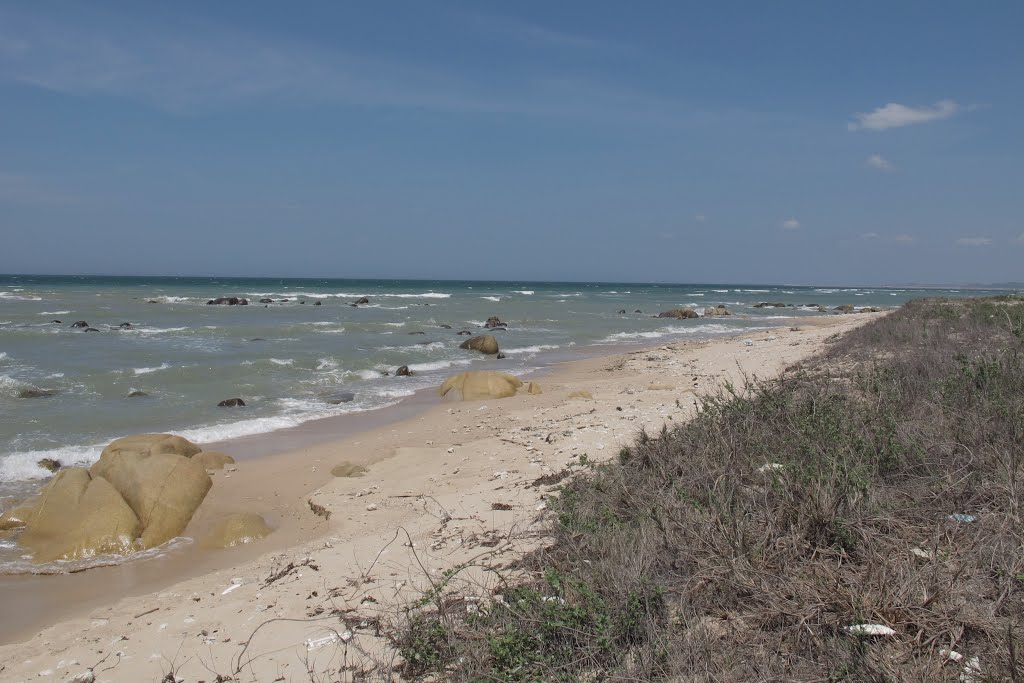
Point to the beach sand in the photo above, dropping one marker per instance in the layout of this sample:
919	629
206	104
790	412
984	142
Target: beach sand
447	484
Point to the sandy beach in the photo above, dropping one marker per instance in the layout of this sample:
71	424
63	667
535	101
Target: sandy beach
447	483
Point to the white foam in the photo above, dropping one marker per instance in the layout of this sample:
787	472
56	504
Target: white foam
437	365
529	349
491	298
282	361
15	297
395	324
350	295
53	313
23	466
146	371
150	331
527	292
174	299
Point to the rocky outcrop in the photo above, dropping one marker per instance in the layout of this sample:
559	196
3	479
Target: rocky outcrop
767	304
494	322
484	343
404	371
479	385
360	301
80	323
716	311
228	301
231	403
236	529
844	308
266	301
679	313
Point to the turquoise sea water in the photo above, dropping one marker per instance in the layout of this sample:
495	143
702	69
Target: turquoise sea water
288	359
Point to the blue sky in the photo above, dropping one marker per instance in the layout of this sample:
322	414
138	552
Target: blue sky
788	142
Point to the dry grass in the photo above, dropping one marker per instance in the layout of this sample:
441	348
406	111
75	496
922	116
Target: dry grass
742	545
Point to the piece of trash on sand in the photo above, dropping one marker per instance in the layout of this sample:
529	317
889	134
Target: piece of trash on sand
235	583
972	665
962	518
870	630
317	643
922	554
770	467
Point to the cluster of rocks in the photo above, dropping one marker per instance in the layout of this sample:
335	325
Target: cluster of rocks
141	493
228	301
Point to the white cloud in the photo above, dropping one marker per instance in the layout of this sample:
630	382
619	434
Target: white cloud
1019	239
879	162
903	238
870	236
791	224
894	115
974	241
699	218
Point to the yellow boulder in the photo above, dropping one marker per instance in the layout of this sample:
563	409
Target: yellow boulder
236	529
213	460
479	385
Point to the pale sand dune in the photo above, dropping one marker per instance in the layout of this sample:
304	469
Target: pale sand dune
439	480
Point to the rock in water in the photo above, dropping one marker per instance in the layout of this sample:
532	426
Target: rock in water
80	323
485	343
493	322
362	300
231	403
266	301
348	469
717	310
844	308
228	301
340	397
50	464
404	371
236	529
213	460
137	394
481	384
37	393
679	313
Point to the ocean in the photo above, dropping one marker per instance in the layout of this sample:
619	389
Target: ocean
292	360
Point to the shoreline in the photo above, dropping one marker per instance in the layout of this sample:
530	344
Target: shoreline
409	457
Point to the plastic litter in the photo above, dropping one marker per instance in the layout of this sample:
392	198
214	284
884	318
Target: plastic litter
770	467
870	630
962	518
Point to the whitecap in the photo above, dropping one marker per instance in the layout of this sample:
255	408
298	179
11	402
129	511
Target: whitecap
491	298
527	292
437	365
54	313
146	371
529	349
279	361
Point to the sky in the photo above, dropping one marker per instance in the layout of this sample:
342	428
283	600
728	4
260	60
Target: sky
784	142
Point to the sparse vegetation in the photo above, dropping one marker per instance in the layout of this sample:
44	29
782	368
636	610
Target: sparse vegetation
879	483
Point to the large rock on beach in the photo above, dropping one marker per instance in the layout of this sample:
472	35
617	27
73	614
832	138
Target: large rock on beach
163	489
152	444
77	516
716	310
679	313
37	393
485	343
236	529
228	301
479	385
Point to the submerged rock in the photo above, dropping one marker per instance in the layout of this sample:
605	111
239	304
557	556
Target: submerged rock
80	323
341	397
485	343
533	389
266	301
236	529
361	300
231	403
137	394
717	310
37	393
348	469
228	301
493	322
404	371
480	384
679	313
769	304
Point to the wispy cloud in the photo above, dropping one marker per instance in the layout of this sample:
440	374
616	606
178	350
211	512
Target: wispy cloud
790	224
1018	240
900	238
535	34
894	115
878	162
699	218
974	241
